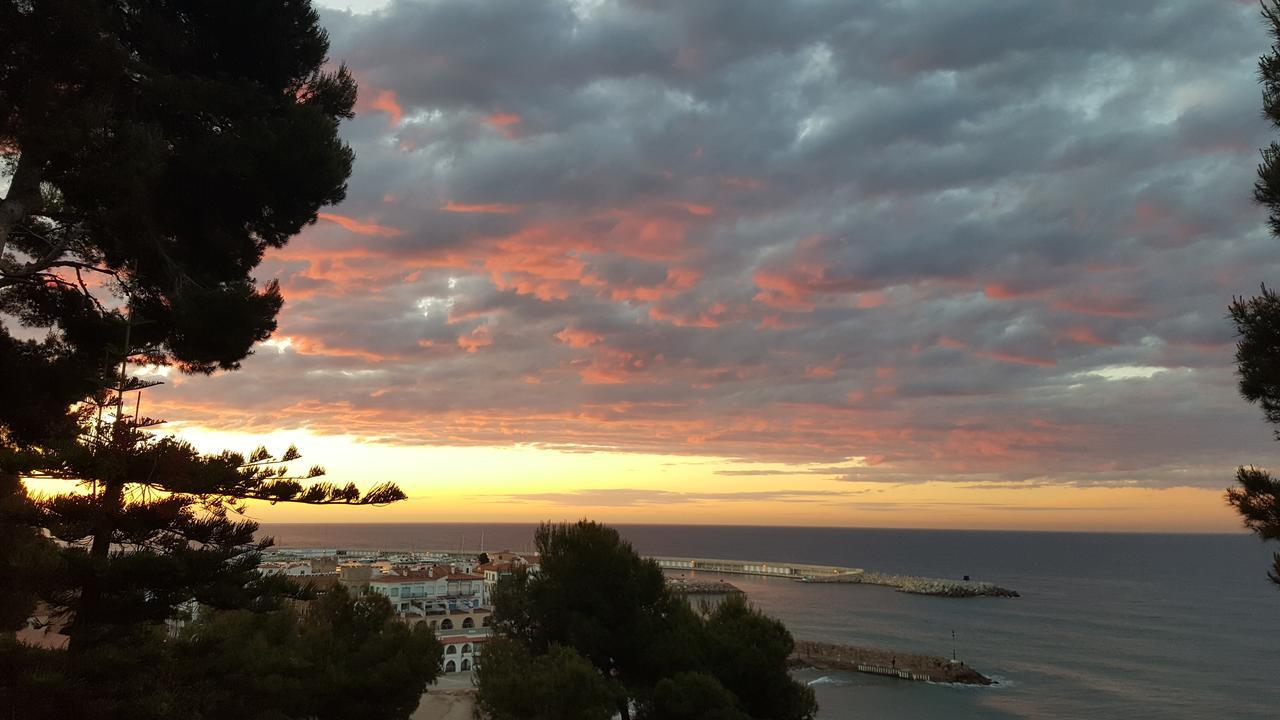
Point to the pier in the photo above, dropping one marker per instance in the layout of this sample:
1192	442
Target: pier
834	574
827	573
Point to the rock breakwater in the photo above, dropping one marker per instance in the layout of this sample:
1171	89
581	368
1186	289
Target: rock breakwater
939	587
904	665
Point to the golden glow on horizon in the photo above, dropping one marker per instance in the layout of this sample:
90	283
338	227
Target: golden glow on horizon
530	484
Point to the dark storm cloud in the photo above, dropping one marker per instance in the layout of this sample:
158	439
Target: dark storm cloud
981	241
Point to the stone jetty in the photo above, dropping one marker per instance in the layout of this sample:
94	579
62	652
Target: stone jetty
921	585
903	665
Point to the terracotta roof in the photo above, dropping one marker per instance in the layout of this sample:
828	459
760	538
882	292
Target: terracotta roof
459	639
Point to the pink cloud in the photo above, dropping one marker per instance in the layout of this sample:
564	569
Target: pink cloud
385	101
360	227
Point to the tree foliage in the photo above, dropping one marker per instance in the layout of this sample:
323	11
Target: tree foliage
558	685
27	558
691	696
155	526
337	657
1256	495
596	596
155	151
151	152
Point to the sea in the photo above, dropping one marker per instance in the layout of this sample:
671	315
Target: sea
1108	625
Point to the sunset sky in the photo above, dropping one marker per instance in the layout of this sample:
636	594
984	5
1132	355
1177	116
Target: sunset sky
913	264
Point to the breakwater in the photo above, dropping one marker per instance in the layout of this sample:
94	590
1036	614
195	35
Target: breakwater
834	574
903	665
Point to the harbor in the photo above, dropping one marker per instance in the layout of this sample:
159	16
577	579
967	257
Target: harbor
802	572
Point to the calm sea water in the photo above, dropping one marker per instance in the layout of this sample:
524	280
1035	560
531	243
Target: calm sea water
1108	625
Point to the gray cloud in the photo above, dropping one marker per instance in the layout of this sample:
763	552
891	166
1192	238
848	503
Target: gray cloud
922	233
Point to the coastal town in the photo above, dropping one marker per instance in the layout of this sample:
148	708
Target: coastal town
452	591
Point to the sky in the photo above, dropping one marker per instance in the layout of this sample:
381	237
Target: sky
911	264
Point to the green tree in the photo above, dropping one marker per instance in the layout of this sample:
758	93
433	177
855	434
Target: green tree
596	595
153	151
164	147
747	652
691	696
337	657
558	685
343	657
154	526
27	559
1256	495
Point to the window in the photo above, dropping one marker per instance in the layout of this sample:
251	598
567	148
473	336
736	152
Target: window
468	623
451	650
466	648
450	667
394	592
466	665
446	624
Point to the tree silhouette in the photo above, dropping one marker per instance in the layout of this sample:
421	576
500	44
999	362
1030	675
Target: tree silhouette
1256	495
154	526
154	152
595	596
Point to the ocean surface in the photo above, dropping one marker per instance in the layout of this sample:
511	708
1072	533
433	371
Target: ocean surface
1108	625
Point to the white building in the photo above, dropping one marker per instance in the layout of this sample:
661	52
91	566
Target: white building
416	589
460	653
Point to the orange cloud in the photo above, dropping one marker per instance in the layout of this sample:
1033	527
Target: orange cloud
1017	359
492	208
1000	291
717	314
385	101
822	371
505	123
1105	307
305	345
359	227
578	338
868	300
695	209
476	339
1085	335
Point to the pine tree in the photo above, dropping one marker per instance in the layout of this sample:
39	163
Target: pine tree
1256	495
154	151
151	152
154	527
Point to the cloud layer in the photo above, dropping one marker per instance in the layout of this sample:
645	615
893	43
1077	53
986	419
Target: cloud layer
985	241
